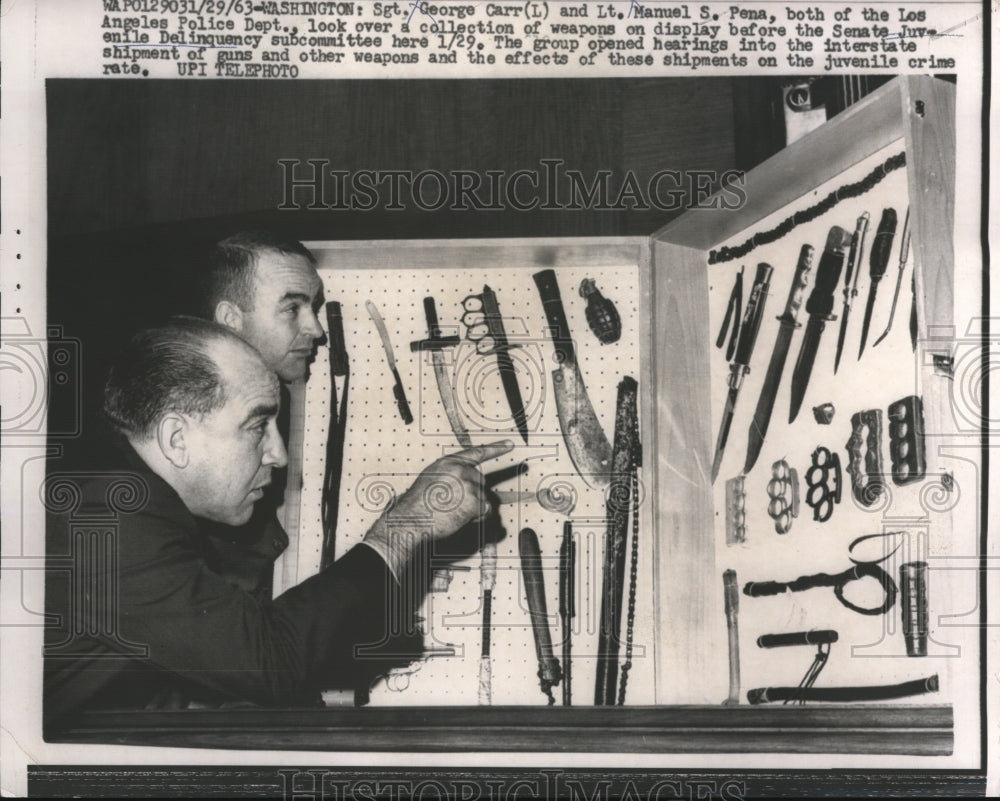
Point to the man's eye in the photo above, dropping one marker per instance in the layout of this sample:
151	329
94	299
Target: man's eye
292	310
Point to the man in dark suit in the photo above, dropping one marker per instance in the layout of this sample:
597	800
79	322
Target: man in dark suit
146	615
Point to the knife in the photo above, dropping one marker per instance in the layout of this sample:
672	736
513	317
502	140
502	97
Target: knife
819	306
851	289
904	249
508	375
877	264
436	343
585	440
749	329
397	389
788	322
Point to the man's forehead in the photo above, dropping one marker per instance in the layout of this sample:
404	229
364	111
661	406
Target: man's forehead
244	372
287	273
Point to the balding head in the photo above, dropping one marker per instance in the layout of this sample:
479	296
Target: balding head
198	404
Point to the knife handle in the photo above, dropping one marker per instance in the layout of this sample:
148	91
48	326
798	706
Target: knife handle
548	289
338	345
753	316
799	282
882	244
430	312
854	259
831	263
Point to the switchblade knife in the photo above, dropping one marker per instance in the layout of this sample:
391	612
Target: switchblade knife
788	322
851	289
819	307
877	264
741	361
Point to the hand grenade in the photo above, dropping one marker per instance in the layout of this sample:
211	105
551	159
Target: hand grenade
601	313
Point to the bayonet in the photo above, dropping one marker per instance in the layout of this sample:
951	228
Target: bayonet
585	440
877	264
740	366
851	287
819	307
788	322
904	249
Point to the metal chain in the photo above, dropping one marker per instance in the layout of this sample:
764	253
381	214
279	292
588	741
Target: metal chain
633	579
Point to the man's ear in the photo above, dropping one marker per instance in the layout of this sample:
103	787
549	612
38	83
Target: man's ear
171	439
229	314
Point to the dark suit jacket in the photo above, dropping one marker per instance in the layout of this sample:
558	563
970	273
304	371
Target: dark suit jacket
149	611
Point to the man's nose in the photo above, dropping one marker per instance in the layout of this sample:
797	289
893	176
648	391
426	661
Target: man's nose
312	326
274	447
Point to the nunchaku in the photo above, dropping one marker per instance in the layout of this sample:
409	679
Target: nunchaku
622	499
549	674
397	388
822	639
741	360
339	368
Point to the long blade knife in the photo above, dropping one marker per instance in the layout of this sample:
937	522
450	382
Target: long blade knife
851	289
904	250
397	389
585	440
819	307
877	264
508	375
436	343
788	322
741	361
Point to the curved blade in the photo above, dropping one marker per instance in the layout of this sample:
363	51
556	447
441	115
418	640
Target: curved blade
585	439
448	399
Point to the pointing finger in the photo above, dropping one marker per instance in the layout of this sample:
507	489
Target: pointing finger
481	453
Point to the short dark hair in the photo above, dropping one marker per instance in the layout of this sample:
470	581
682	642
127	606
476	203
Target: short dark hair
166	369
229	271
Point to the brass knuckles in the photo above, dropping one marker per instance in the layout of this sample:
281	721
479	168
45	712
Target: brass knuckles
477	330
821	497
736	517
783	490
865	452
906	440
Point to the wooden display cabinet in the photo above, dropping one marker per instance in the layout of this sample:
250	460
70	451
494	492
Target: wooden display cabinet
678	372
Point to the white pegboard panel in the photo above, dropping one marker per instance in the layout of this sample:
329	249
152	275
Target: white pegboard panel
871	648
382	456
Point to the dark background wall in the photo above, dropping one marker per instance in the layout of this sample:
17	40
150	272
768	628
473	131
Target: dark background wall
143	174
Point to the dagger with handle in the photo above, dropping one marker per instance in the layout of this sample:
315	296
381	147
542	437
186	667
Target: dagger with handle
585	440
741	361
851	288
788	322
877	264
508	375
819	307
904	250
